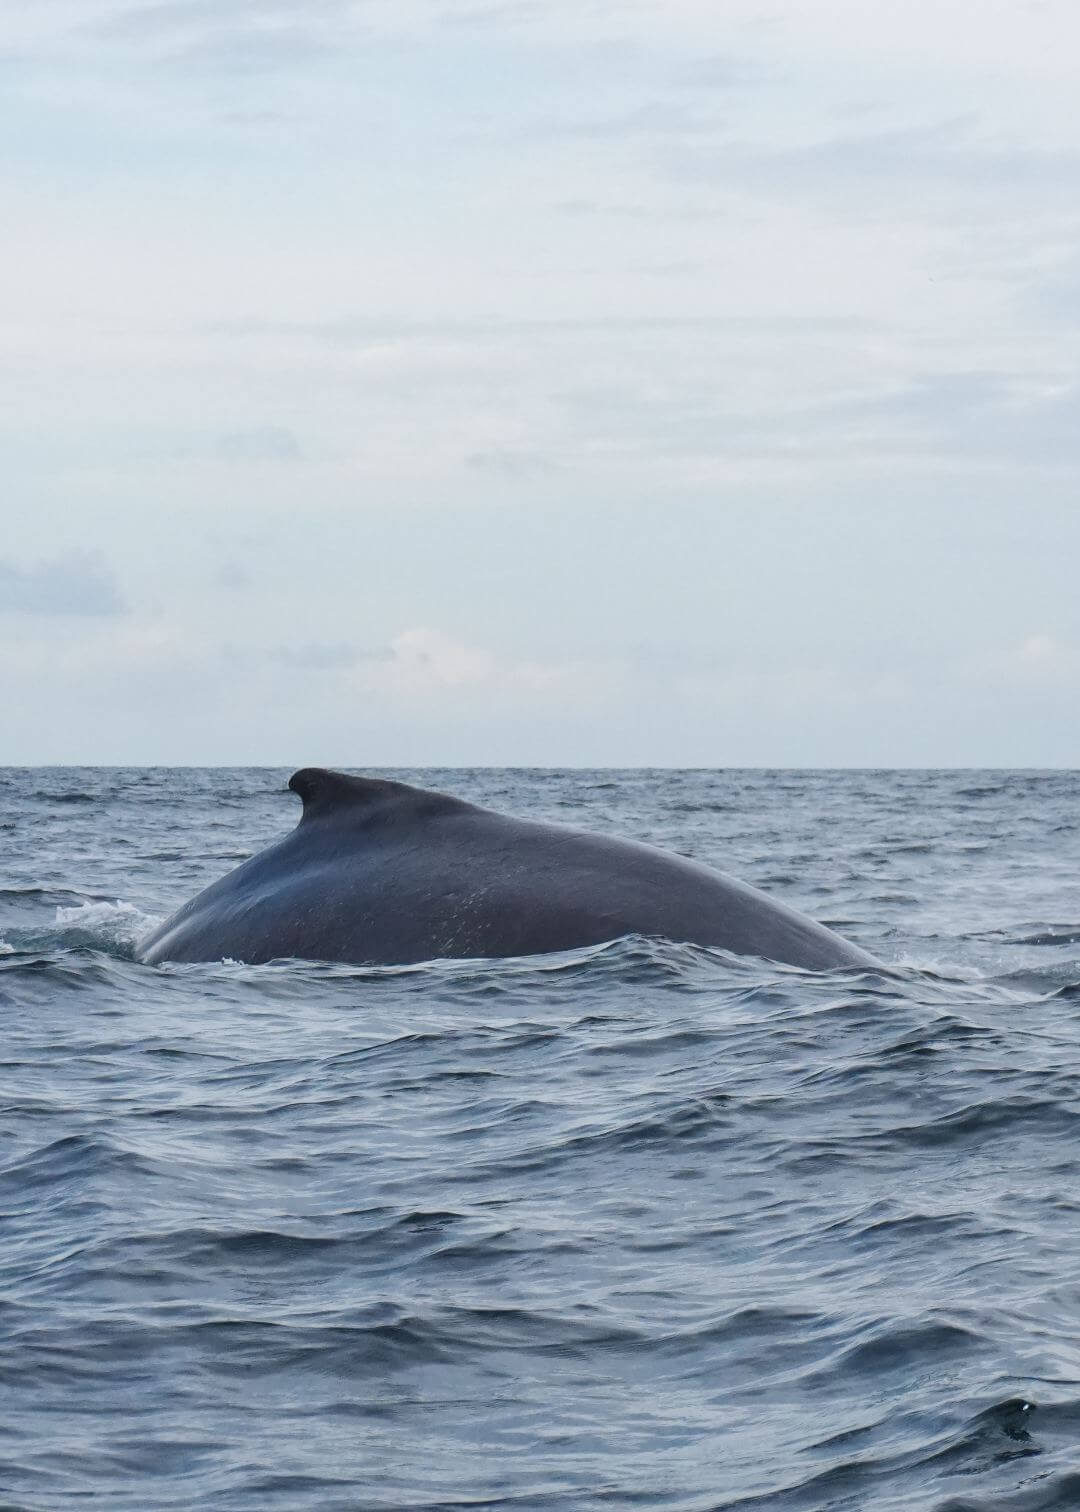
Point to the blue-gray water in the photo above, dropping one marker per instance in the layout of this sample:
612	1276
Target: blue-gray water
643	1226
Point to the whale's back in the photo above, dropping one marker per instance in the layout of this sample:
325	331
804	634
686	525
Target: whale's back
381	873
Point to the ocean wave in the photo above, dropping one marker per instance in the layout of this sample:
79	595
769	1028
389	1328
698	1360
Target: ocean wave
641	1225
116	925
77	922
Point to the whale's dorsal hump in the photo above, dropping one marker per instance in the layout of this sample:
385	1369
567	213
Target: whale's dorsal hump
323	793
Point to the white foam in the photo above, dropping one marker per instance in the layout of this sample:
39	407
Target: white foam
116	923
6	949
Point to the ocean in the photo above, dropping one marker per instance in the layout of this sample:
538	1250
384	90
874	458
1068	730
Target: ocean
640	1226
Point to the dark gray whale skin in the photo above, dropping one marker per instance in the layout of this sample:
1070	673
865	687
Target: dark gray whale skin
379	873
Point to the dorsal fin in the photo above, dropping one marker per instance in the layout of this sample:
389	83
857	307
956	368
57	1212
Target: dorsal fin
322	792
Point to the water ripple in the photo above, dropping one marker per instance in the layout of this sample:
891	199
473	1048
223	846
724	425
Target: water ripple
637	1226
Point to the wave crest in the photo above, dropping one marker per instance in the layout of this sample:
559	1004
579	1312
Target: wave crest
104	926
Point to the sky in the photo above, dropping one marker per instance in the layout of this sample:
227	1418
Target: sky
520	382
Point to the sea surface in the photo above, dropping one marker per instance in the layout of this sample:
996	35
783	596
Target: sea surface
642	1226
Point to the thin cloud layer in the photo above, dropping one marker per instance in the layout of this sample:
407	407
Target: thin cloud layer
72	583
554	380
266	443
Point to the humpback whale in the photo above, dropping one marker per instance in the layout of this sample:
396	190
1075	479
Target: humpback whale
381	873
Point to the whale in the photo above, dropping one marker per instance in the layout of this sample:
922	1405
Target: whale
378	872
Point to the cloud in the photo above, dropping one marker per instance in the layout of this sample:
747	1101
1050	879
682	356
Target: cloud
411	668
266	443
323	656
1052	289
251	444
511	13
422	662
665	213
232	575
721	71
358	331
244	51
421	657
169	18
74	582
1012	419
956	156
301	656
657	119
243	36
1042	661
1007	417
514	466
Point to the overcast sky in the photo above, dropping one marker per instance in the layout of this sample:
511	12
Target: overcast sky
448	382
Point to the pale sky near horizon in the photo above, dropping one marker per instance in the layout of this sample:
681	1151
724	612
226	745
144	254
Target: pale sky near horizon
444	382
